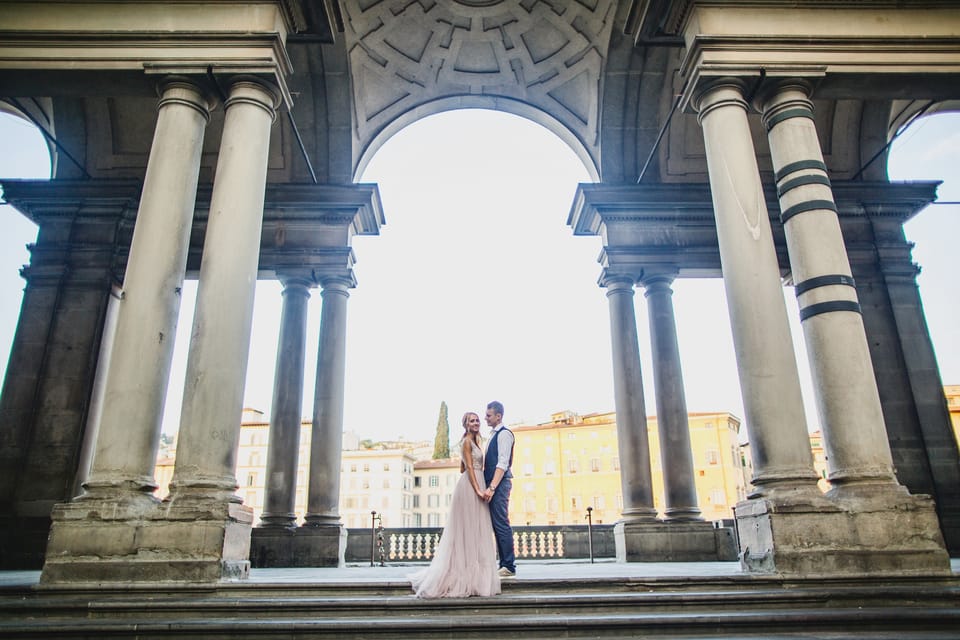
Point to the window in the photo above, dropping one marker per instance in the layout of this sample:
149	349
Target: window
416	502
717	497
448	499
433	519
713	456
353	468
366	466
433	500
417	520
386	466
530	504
598	502
386	483
549	467
575	502
615	463
385	503
416	481
552	504
594	464
434	481
251	479
572	465
255	459
528	469
366	483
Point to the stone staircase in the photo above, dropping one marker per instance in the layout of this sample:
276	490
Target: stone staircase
741	606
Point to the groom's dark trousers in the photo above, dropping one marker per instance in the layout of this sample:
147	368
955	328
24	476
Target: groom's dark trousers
500	505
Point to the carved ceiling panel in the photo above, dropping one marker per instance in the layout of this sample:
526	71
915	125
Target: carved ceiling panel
548	54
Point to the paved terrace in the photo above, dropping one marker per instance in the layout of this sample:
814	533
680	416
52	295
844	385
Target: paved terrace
527	571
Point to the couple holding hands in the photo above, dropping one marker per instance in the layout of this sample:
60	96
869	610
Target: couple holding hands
465	560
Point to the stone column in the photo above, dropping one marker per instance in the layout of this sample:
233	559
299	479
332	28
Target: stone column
847	400
217	361
134	393
323	495
206	536
767	367
324	492
635	475
284	445
676	454
91	533
860	465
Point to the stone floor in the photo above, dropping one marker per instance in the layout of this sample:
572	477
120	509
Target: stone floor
530	570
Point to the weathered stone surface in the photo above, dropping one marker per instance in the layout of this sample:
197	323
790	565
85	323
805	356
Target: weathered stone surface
885	535
674	542
300	547
92	541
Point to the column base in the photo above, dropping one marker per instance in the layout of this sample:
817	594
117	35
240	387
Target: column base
301	547
887	532
99	541
673	542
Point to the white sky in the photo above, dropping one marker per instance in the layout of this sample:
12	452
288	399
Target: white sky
477	290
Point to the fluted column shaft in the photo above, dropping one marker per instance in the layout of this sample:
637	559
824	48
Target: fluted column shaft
676	454
284	444
220	340
766	363
635	475
139	366
327	430
848	402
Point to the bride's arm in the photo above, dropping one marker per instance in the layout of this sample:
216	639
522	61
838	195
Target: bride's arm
466	453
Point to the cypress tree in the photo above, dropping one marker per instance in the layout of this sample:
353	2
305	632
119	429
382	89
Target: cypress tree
441	443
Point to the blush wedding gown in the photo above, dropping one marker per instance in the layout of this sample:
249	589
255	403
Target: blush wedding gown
465	560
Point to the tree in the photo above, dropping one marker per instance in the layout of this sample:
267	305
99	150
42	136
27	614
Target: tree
441	443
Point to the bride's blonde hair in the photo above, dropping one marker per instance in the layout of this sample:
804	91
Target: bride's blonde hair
463	422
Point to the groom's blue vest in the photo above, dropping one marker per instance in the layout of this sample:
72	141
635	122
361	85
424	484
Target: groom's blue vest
493	454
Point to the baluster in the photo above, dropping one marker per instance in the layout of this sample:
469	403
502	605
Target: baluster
560	544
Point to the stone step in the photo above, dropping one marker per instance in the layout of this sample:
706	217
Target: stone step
835	624
747	606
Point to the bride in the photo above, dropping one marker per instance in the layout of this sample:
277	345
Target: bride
465	560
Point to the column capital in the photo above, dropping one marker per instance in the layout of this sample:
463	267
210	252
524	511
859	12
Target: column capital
617	282
182	90
720	92
254	91
337	284
658	282
296	281
782	93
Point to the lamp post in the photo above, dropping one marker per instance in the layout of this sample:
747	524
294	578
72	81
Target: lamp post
590	532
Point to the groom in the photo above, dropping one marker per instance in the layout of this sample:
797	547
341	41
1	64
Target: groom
496	471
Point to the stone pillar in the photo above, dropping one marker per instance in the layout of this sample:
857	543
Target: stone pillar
680	490
636	478
284	445
90	533
784	479
860	466
217	362
323	495
52	370
134	394
763	345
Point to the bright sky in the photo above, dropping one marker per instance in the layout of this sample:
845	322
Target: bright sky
476	290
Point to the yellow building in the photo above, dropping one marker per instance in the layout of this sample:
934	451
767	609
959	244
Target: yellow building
952	392
563	466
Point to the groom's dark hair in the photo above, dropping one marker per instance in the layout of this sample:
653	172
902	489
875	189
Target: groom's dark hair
497	407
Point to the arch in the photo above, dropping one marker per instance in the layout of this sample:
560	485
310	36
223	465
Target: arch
904	112
38	113
493	103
